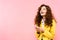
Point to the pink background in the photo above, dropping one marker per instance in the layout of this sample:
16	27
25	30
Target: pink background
17	18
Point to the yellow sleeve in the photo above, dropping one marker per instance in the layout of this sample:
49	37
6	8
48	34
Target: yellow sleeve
50	34
36	34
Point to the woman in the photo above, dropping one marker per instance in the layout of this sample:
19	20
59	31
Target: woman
45	23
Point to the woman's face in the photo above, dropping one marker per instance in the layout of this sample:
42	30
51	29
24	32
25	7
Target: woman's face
43	11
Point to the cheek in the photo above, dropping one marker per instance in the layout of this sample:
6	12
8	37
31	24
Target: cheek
45	14
44	10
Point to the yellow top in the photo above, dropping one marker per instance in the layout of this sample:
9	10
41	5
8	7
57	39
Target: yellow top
49	32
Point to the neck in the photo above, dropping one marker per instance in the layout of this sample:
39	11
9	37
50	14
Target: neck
44	18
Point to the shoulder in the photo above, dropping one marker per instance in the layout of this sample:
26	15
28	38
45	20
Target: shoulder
54	21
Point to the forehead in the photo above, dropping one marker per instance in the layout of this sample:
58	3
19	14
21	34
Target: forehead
43	7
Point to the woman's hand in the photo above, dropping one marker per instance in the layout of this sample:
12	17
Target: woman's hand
39	29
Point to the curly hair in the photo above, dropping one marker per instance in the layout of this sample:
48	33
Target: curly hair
48	16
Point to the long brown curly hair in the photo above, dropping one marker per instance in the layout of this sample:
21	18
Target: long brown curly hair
48	16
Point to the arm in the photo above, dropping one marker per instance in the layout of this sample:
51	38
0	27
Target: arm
37	33
52	31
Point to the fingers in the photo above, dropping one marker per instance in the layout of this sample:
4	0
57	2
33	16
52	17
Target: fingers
39	29
36	26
